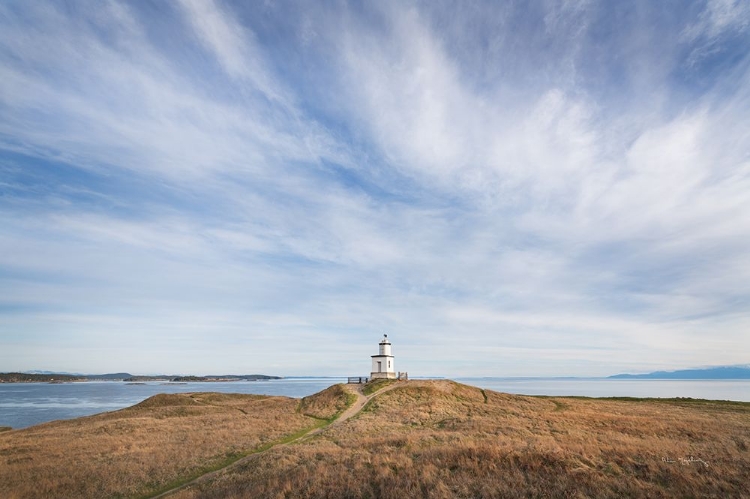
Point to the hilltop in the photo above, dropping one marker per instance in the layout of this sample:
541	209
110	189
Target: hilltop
412	439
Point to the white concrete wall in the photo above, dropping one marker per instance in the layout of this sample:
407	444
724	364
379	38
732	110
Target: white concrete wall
384	361
385	349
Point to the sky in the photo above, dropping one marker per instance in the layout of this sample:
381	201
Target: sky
507	188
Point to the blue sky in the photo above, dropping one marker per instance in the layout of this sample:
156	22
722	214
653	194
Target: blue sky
504	188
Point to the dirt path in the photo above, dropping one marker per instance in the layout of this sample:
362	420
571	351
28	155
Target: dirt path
350	412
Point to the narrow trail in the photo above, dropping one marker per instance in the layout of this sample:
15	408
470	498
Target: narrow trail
350	412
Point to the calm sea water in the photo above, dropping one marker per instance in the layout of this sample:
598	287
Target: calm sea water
27	404
737	390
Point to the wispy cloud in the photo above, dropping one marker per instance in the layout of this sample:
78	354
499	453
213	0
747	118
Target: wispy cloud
233	46
513	189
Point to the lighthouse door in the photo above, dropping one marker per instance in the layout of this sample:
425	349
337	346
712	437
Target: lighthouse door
380	368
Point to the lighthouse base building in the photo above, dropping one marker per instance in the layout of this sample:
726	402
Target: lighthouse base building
383	366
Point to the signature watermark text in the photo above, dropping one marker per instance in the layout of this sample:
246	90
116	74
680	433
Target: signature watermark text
686	461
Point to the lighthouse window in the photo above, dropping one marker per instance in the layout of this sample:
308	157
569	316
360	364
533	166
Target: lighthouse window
389	364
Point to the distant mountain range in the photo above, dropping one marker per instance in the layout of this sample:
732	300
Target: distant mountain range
724	372
49	376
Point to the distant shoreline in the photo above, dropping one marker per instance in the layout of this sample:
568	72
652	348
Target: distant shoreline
714	373
15	377
726	373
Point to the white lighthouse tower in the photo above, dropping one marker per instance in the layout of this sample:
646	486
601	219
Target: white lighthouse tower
382	364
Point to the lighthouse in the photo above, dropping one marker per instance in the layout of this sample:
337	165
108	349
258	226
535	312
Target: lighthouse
382	364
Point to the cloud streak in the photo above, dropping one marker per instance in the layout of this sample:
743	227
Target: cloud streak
509	190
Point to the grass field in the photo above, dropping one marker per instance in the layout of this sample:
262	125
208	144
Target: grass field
159	443
377	384
439	439
431	439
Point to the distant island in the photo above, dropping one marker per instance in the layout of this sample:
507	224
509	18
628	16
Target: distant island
50	377
212	378
724	372
38	378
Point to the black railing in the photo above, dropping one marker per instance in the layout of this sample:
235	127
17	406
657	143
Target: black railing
358	379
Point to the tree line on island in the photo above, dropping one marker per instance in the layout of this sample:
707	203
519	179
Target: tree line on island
50	377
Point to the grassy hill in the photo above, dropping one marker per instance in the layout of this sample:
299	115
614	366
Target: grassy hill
435	439
159	443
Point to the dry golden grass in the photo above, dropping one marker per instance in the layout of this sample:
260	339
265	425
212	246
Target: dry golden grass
431	439
377	385
327	404
140	450
439	439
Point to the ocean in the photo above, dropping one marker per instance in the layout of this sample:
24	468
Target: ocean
27	404
737	390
